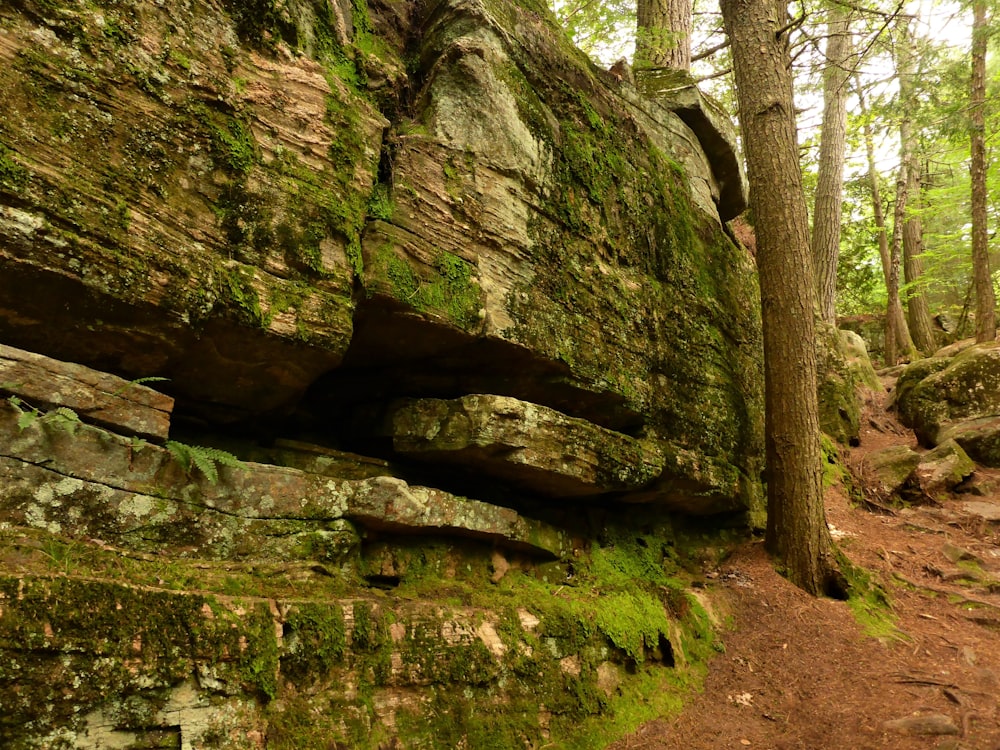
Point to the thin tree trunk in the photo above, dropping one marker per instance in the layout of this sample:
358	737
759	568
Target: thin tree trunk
663	34
830	178
897	333
986	327
797	534
917	308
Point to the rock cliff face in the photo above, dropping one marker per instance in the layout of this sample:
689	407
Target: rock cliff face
464	307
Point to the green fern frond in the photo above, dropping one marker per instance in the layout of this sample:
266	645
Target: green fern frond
25	419
205	465
63	418
139	381
205	460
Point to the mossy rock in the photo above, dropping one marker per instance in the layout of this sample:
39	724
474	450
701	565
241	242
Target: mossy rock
946	391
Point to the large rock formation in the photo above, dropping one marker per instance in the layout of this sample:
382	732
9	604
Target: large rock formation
955	395
458	299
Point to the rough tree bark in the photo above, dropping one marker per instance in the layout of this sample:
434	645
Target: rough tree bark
897	333
663	34
917	308
797	534
986	327
907	229
830	178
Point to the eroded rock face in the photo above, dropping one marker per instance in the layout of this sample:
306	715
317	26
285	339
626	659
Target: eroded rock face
300	214
123	406
533	232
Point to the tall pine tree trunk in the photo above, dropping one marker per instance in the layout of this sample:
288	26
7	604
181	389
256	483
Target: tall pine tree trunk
907	230
797	534
663	34
917	309
830	179
897	333
986	327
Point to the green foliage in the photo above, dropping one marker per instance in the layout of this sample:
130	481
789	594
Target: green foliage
139	381
601	29
205	460
61	417
61	554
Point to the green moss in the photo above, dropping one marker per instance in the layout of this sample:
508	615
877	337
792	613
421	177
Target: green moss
448	289
260	23
13	176
833	471
233	143
380	204
870	604
114	31
237	287
316	642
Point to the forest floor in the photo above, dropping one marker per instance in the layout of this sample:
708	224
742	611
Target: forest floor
800	672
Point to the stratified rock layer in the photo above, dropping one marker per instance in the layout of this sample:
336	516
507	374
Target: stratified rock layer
524	443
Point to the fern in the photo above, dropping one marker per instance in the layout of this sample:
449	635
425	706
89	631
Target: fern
205	460
63	418
139	381
26	413
25	419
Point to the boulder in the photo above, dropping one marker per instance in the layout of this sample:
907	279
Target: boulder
979	438
845	375
949	390
942	468
871	328
907	377
253	213
894	467
302	213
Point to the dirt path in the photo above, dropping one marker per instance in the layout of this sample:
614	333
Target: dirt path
799	672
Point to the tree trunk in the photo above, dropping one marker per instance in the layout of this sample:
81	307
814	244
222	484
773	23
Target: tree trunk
917	308
906	235
663	34
830	179
897	333
986	327
797	534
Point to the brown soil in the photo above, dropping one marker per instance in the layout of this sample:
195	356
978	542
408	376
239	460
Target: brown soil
800	672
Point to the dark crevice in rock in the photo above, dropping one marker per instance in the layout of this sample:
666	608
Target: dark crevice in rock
397	354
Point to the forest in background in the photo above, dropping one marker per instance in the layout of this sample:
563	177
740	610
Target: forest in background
906	82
